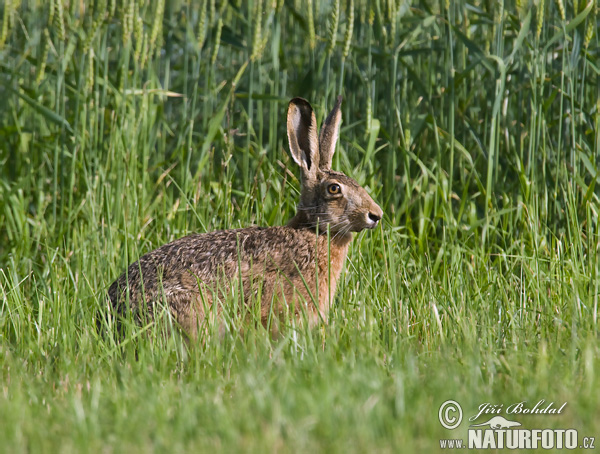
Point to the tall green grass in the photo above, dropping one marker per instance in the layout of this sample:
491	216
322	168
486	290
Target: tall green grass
125	125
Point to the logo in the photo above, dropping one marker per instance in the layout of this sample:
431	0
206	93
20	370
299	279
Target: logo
448	407
498	422
499	432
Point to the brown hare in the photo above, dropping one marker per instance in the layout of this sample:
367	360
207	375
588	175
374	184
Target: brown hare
291	268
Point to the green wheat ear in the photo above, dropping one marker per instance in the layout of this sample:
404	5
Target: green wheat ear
59	19
96	22
561	10
90	71
212	12
257	35
138	35
540	18
128	11
215	52
157	23
7	20
590	29
41	69
201	35
51	9
333	26
349	29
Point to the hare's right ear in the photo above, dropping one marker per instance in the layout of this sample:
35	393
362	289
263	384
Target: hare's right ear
329	135
302	135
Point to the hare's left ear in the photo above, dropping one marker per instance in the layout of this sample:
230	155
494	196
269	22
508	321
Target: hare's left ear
329	135
302	136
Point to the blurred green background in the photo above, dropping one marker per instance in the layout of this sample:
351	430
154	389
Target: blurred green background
125	125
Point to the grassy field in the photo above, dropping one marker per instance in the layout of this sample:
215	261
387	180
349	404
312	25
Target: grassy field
125	125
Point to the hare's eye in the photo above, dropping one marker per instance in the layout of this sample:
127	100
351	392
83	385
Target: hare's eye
334	188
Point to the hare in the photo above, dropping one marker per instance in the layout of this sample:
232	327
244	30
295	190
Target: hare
291	268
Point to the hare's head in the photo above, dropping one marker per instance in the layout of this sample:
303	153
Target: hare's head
328	198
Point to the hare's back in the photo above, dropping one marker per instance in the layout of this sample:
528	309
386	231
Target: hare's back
208	257
224	251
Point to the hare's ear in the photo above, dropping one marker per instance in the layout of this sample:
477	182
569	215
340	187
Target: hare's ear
329	135
302	135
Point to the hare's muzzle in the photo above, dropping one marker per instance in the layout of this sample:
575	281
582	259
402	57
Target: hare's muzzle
374	216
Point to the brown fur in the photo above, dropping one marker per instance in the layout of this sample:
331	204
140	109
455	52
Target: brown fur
278	266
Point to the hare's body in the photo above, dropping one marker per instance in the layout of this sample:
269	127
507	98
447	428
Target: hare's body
189	272
293	268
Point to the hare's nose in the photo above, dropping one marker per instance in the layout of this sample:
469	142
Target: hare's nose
374	218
